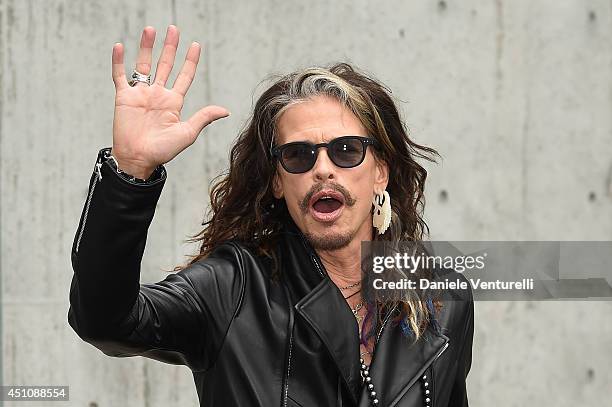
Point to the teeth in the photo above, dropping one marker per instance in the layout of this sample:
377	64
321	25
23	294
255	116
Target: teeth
326	197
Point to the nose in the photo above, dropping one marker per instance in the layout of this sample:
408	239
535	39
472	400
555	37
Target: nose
323	168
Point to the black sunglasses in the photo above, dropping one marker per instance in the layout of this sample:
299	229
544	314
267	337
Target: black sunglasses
345	152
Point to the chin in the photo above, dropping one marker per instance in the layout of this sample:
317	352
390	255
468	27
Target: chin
329	240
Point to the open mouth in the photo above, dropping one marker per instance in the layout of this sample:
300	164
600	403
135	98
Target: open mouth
326	205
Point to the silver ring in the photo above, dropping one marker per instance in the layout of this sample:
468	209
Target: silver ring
139	77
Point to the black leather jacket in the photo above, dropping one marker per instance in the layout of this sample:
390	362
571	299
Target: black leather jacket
250	340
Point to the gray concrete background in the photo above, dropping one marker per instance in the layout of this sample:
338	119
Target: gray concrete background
516	95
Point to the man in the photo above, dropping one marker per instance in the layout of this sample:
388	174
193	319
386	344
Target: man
277	308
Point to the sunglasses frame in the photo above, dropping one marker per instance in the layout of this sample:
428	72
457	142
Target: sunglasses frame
276	151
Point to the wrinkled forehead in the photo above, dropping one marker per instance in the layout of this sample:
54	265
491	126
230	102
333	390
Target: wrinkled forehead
317	120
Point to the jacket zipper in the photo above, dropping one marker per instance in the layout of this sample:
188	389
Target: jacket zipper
442	351
315	261
97	177
385	323
313	257
381	330
286	392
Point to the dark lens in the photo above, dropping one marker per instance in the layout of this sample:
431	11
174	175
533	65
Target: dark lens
298	157
346	152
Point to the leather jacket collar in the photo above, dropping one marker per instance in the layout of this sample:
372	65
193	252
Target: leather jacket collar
397	363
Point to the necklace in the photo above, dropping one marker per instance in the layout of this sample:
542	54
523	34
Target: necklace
365	369
350	286
356	310
352	295
360	328
358	307
367	380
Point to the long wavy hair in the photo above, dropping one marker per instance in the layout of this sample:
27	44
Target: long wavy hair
242	205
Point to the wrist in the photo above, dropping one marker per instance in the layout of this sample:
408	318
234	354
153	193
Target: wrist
135	171
135	174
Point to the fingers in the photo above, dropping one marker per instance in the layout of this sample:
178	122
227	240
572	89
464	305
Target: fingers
166	60
145	52
118	69
143	61
204	117
165	63
185	77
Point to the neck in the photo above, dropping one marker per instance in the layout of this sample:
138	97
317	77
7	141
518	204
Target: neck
344	265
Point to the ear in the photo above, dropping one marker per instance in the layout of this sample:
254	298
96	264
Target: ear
277	187
381	179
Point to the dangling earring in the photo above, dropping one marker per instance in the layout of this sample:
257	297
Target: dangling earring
381	217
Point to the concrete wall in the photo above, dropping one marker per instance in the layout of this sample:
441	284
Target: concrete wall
516	95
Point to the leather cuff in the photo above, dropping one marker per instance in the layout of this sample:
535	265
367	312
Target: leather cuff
157	174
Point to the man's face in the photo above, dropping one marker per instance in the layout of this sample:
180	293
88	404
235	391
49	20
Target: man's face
329	224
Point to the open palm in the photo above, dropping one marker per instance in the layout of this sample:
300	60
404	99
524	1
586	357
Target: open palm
147	126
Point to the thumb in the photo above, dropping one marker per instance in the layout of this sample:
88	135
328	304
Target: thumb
205	116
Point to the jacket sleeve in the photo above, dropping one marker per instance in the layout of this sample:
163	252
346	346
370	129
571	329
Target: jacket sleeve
458	397
180	320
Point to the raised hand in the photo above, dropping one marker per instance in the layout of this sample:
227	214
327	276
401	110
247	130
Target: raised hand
147	126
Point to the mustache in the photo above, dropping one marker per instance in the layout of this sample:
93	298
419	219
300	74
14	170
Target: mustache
348	199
